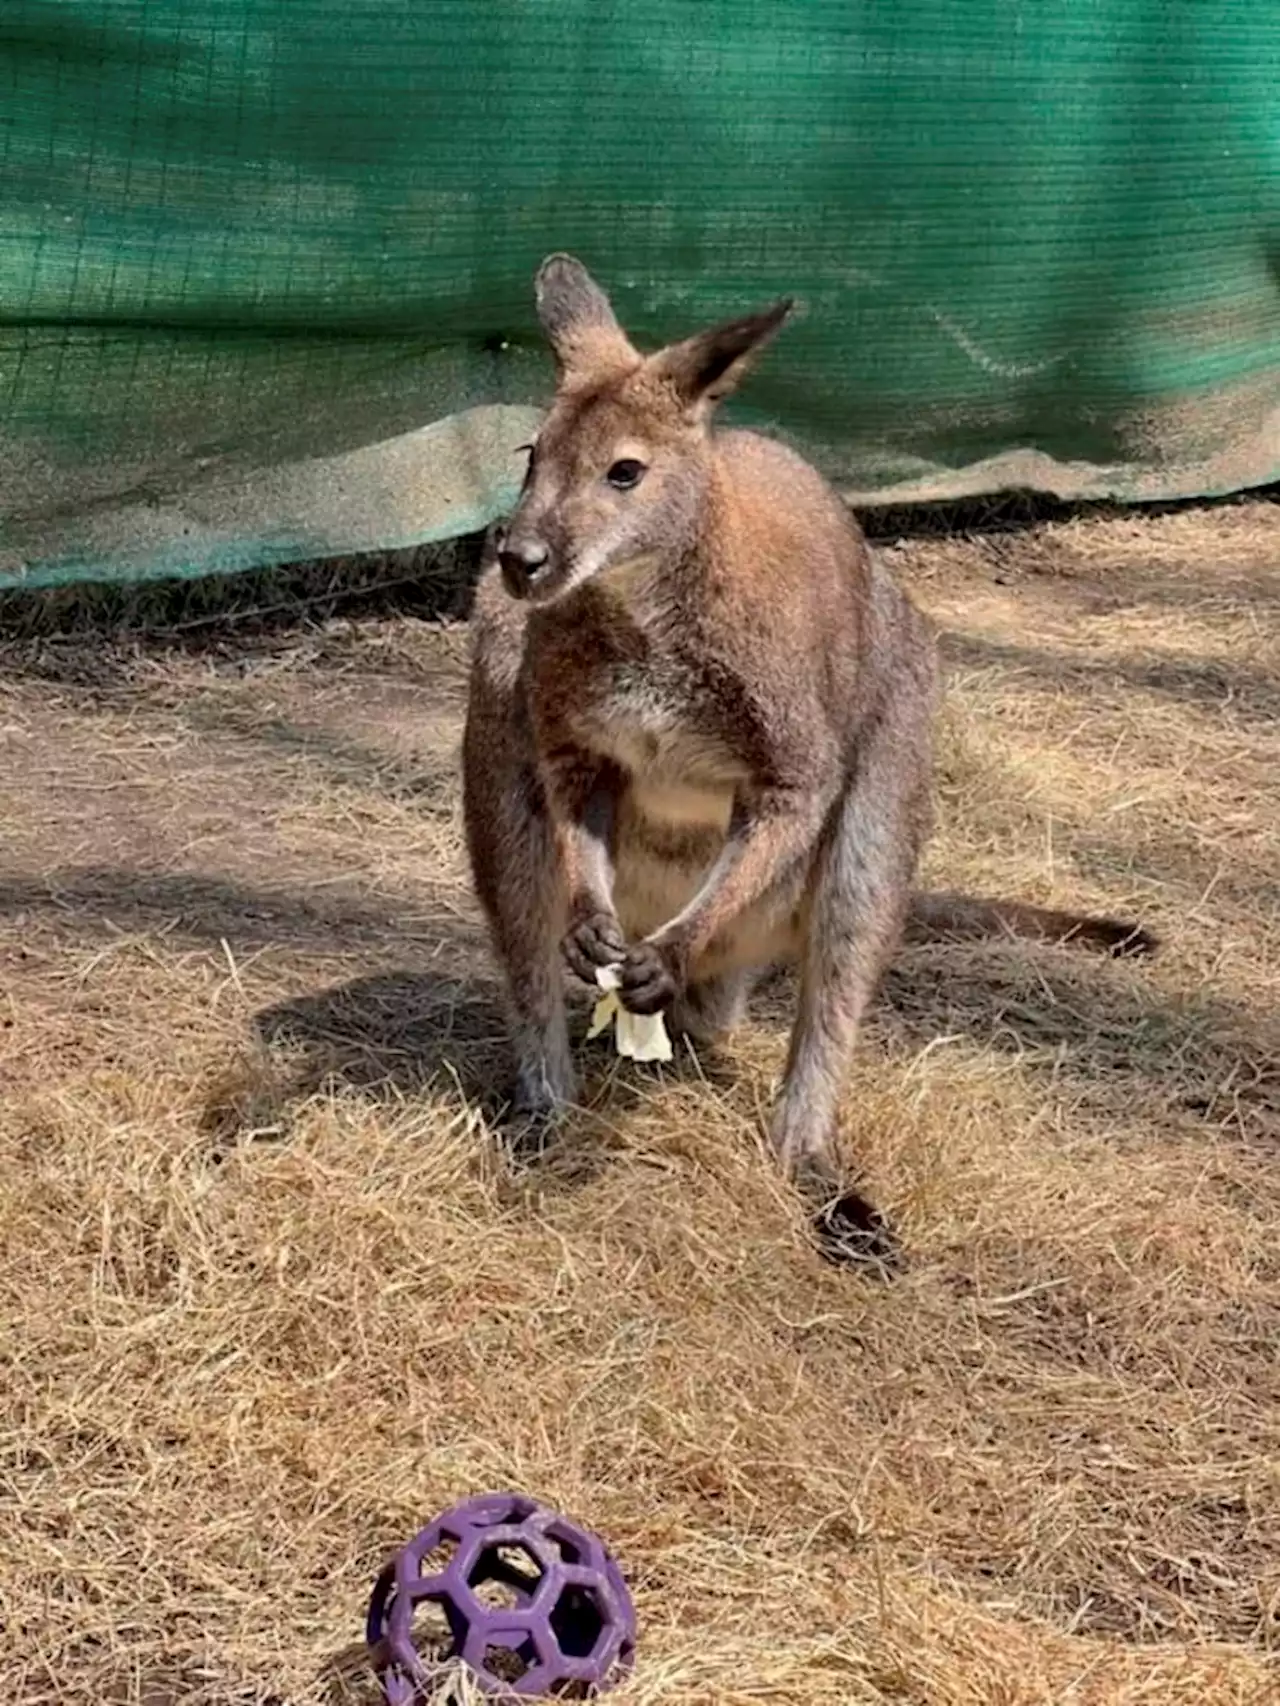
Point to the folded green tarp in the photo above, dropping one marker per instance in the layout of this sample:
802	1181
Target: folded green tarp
265	265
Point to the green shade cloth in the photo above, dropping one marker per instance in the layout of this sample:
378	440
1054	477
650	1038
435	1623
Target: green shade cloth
265	265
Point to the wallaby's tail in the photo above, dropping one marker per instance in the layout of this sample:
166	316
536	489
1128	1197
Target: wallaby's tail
960	918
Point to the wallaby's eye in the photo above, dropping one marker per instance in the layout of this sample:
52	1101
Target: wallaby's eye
626	474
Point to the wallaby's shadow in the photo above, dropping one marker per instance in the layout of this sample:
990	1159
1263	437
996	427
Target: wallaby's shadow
401	1034
1087	1024
1094	1024
396	1033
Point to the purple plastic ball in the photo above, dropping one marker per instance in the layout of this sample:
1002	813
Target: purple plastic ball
528	1601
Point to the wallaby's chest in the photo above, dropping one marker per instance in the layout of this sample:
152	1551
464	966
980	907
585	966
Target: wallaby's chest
655	721
654	714
680	775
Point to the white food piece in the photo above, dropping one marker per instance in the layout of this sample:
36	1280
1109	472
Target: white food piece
638	1036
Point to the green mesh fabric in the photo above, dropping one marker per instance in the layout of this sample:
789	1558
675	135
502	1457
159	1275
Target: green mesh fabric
265	265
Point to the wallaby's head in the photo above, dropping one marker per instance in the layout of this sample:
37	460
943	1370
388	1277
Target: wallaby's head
620	465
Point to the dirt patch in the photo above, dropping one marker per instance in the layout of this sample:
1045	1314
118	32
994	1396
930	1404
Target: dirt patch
271	1292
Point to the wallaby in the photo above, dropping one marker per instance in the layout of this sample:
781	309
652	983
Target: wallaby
699	732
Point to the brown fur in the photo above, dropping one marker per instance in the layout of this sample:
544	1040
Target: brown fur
699	737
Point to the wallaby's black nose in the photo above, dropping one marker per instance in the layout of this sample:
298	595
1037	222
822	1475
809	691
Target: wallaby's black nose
520	559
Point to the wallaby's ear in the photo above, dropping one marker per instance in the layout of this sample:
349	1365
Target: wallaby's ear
577	317
706	367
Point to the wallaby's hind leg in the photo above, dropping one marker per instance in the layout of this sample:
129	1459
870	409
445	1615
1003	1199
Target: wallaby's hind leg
518	881
709	1010
858	905
528	936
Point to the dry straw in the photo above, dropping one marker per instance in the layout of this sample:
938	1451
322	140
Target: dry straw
271	1292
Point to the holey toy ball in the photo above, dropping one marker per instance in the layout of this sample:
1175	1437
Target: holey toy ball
528	1602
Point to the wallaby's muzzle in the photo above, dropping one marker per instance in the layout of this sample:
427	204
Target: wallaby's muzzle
522	558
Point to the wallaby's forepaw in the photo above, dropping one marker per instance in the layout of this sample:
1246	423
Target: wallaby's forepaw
650	978
595	939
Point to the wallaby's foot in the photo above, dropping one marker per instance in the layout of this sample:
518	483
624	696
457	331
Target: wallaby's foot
850	1231
847	1229
545	1084
528	1138
543	1092
1123	939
